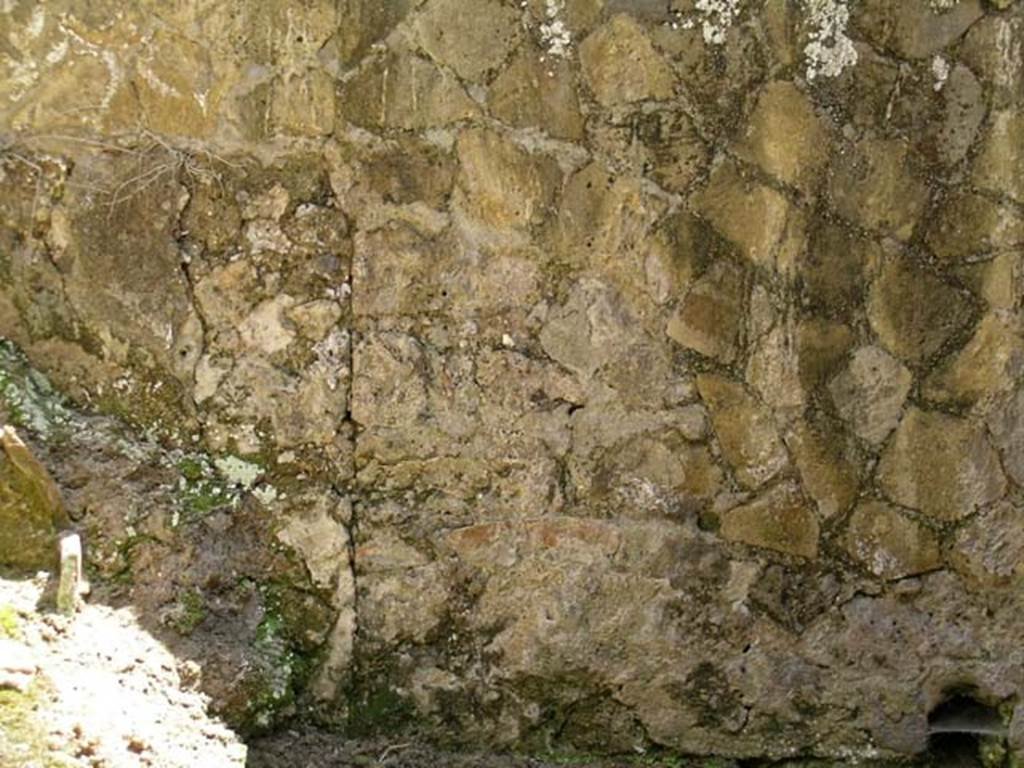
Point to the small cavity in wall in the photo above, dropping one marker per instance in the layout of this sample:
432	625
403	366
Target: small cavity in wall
964	730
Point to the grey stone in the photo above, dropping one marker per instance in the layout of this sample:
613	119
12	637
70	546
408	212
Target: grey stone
1006	423
989	549
869	394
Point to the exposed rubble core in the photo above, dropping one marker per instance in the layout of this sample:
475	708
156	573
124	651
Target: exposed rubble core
595	376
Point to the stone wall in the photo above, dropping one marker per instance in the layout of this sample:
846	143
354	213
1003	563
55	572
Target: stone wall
624	373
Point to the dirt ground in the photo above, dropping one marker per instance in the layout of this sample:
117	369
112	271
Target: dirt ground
97	692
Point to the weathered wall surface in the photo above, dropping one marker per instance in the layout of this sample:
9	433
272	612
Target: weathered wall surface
623	372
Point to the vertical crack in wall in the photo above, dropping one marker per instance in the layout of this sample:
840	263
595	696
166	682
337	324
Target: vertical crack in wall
352	525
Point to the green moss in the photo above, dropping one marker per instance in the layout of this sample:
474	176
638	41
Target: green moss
10	625
201	488
193	468
279	671
992	751
191	612
381	710
23	733
208	484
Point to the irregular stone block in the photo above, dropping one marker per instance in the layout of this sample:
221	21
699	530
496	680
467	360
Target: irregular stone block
989	549
828	473
583	333
412	171
940	465
991	362
833	268
1006	423
869	394
878	188
999	281
821	346
472	38
364	22
916	29
709	319
999	166
397	269
621	66
610	223
889	544
304	105
971	226
503	185
774	371
765	227
992	49
963	113
779	520
785	137
745	429
535	91
913	311
125	281
404	90
317	531
655	475
676	153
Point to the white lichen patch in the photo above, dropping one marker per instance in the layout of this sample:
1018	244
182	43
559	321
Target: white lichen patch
941	6
940	70
266	494
717	16
238	471
555	36
829	51
37	22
